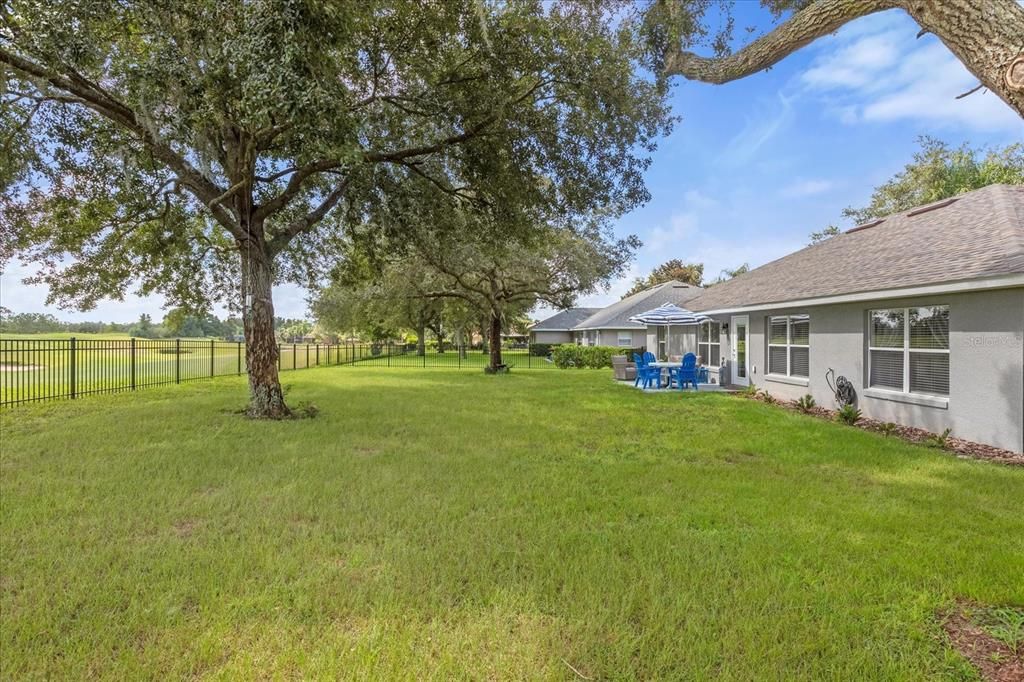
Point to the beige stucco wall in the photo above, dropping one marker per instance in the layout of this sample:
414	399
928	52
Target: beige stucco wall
551	337
986	364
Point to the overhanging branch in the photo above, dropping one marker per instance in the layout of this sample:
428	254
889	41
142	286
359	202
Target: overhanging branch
814	21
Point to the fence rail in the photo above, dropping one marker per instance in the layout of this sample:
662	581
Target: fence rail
49	369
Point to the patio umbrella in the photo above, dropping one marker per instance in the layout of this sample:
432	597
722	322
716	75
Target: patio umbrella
669	314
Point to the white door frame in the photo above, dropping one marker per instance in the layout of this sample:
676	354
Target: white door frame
734	374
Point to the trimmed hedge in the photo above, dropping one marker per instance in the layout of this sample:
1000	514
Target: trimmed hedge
585	357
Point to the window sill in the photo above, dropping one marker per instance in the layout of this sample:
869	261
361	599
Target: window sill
910	398
781	379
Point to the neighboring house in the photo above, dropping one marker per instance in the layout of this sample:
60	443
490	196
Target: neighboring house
558	328
923	311
611	326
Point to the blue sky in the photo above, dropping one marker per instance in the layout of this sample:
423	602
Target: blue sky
756	165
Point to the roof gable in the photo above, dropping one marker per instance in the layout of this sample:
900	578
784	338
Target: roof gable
980	234
616	316
564	320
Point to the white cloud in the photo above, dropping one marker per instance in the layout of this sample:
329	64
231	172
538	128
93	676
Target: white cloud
806	188
877	71
680	227
759	129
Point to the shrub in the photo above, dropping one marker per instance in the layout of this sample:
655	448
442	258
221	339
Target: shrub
583	357
887	429
806	403
848	414
542	350
749	391
939	440
768	397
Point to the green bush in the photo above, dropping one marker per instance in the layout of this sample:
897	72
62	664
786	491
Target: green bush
542	350
806	403
584	357
848	414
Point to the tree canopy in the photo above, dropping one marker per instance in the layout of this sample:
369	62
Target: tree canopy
205	149
938	172
674	269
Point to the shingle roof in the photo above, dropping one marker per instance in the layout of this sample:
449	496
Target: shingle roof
564	321
979	234
616	316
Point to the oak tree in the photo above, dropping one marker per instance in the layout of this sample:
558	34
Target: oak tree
206	149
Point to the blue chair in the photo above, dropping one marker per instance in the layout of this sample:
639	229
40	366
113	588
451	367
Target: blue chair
686	373
645	374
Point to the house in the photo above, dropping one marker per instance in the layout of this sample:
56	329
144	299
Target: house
922	311
611	326
558	328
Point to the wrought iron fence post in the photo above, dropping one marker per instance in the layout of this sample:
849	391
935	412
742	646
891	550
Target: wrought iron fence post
177	361
307	356
389	353
239	358
211	358
529	355
295	352
133	363
74	368
318	354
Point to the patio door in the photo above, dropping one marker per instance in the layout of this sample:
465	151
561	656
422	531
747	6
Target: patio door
738	336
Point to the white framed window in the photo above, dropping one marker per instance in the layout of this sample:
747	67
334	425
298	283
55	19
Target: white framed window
908	349
709	343
625	340
789	345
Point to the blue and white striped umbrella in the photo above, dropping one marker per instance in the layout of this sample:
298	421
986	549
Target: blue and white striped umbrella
670	314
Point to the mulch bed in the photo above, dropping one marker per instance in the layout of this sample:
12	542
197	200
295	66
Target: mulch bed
958	446
994	660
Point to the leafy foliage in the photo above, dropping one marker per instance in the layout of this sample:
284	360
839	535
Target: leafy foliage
939	440
827	233
939	171
675	269
848	414
584	357
728	273
806	403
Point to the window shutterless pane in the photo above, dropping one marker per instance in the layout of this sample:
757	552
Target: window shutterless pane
929	373
715	332
777	359
703	333
799	361
887	328
714	355
929	327
800	332
777	330
887	369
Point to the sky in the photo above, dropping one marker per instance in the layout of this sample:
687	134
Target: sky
754	166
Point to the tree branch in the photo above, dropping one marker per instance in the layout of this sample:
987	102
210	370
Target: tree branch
92	96
814	21
297	227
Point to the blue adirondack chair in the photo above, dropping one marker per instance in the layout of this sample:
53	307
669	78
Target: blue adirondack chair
686	373
645	374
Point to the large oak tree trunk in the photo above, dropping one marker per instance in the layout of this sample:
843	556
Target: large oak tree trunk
495	341
266	399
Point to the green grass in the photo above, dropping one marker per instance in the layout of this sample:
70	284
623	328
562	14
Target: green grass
434	525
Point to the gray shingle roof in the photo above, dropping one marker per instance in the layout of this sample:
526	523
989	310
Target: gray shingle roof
980	234
564	321
616	316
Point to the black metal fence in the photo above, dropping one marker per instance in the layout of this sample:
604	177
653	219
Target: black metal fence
48	369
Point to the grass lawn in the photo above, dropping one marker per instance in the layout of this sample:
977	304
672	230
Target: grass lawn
432	524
